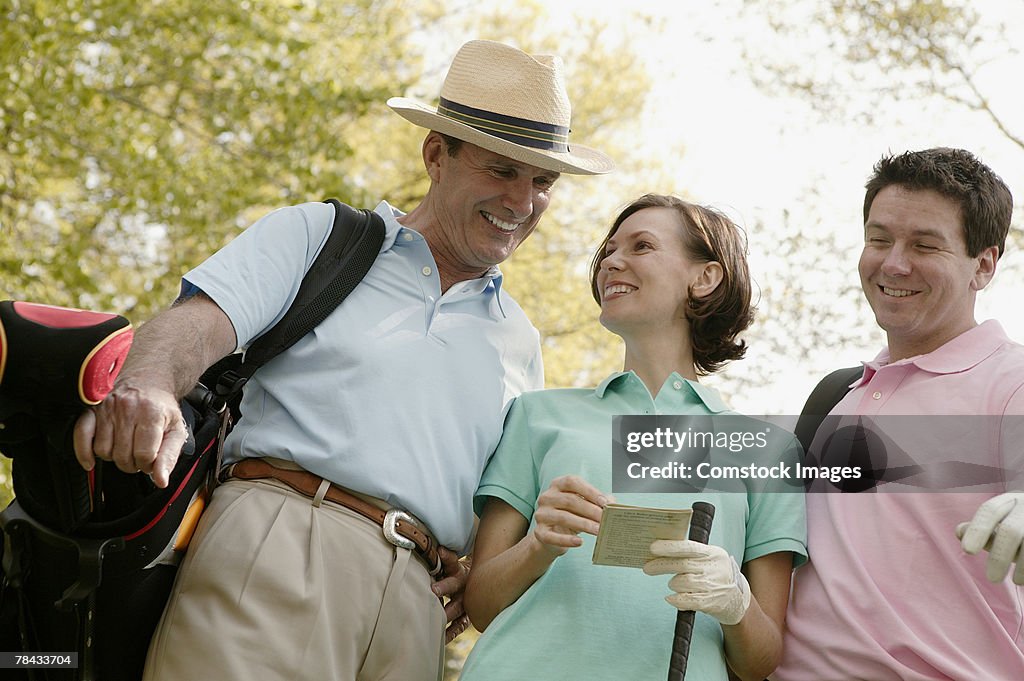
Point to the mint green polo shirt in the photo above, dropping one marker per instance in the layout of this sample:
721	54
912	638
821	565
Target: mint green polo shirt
585	621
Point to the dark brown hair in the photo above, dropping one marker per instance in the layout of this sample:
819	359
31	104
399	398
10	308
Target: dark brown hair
716	319
986	204
452	144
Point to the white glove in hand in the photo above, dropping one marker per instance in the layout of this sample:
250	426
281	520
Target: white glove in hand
706	578
997	527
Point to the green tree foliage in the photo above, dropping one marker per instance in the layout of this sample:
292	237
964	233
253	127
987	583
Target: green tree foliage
137	137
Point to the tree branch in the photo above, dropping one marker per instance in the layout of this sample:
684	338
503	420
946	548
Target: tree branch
982	104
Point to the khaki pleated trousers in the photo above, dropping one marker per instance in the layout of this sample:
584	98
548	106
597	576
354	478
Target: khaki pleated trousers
274	587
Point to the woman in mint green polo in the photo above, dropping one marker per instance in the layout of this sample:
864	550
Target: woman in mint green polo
672	281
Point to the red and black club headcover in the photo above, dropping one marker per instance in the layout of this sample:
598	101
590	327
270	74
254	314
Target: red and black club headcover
54	362
60	355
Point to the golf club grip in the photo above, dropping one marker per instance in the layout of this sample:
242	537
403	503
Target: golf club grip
700	531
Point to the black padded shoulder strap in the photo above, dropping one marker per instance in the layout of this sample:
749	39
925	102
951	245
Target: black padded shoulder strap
826	395
351	248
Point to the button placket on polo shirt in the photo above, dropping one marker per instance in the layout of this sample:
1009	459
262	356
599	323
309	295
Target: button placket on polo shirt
420	260
425	273
675	397
881	387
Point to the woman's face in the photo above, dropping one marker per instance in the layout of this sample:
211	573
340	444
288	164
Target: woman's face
646	273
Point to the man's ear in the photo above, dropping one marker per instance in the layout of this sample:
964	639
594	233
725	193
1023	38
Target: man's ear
708	279
986	267
434	150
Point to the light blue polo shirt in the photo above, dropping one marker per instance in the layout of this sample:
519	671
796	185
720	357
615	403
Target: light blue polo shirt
401	392
586	621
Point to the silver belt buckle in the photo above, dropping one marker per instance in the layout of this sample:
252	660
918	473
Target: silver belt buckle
391	519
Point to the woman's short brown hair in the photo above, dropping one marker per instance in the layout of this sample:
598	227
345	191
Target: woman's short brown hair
716	319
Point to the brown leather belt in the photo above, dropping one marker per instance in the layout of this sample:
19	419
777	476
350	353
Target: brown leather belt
399	527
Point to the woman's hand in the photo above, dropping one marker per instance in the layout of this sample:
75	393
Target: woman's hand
569	506
707	579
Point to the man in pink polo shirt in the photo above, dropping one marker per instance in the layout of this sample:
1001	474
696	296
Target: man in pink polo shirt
892	591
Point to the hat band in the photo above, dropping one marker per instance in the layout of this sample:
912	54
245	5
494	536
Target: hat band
519	131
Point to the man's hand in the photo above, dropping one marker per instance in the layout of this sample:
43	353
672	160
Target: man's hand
139	430
139	426
707	579
997	527
452	585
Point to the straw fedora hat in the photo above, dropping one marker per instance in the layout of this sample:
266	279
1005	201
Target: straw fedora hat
509	102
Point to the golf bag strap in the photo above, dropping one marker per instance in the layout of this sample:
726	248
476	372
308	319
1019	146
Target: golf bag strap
825	396
351	248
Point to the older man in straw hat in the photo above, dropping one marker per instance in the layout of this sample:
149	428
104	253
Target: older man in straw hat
396	400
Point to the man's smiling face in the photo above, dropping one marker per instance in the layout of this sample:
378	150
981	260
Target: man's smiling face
487	204
915	271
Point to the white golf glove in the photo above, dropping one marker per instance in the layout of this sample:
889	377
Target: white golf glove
997	527
706	578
